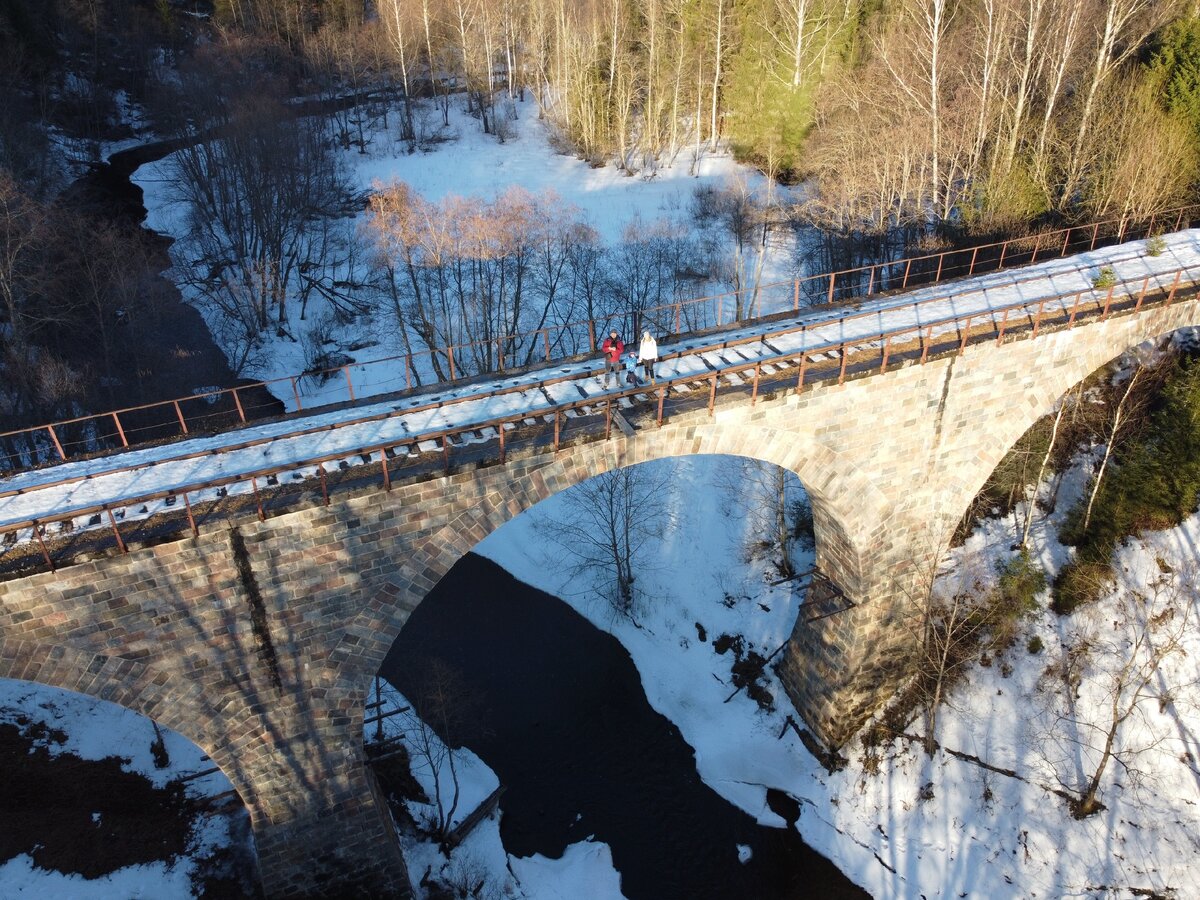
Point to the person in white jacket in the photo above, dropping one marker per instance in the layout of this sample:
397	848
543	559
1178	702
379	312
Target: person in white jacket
648	354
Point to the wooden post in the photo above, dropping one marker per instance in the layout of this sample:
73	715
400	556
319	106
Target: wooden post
296	393
557	427
387	478
754	390
187	504
1037	320
925	345
116	531
712	394
500	353
41	543
1037	241
592	334
120	430
1142	294
871	282
1121	231
408	372
1066	240
450	356
1107	302
1074	310
503	457
907	267
237	401
349	383
1179	219
887	346
832	280
678	311
971	268
1003	324
324	483
446	454
796	295
546	342
941	259
258	498
608	418
662	396
57	445
720	310
1003	250
842	372
966	333
1095	234
803	366
179	414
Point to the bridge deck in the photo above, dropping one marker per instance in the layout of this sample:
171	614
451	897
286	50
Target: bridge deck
417	431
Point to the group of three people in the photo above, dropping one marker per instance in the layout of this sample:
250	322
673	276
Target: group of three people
647	355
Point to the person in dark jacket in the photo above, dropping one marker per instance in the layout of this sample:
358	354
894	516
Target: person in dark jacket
612	347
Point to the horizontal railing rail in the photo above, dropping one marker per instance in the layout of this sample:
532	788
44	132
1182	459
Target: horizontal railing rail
823	361
229	408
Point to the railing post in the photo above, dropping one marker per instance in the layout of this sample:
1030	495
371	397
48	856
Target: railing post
971	268
1074	310
1142	294
1174	285
887	347
1037	319
296	393
1121	231
1066	240
907	267
1107	302
557	427
662	396
926	342
842	372
1037	242
754	390
1003	325
966	333
1179	219
803	366
500	353
720	310
795	295
324	483
120	430
57	445
408	372
179	414
1095	235
546	342
608	418
832	279
237	401
678	311
450	355
712	394
1003	251
262	517
592	334
187	504
446	454
871	282
941	260
37	532
349	383
387	478
116	530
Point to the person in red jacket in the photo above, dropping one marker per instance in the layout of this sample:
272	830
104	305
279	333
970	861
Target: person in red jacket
613	347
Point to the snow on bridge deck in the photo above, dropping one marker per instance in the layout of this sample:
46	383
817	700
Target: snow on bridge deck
415	420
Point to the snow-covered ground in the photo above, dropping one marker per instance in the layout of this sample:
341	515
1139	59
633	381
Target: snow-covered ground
979	833
95	730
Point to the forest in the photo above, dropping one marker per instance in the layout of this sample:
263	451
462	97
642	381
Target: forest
943	121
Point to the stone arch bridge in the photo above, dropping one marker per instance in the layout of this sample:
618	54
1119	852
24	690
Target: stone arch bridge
258	640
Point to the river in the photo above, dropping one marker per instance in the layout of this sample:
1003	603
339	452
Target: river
561	717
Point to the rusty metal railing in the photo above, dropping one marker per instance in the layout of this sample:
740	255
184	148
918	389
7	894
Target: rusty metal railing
824	361
228	408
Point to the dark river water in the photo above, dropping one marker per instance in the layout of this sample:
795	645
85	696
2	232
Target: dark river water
559	714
